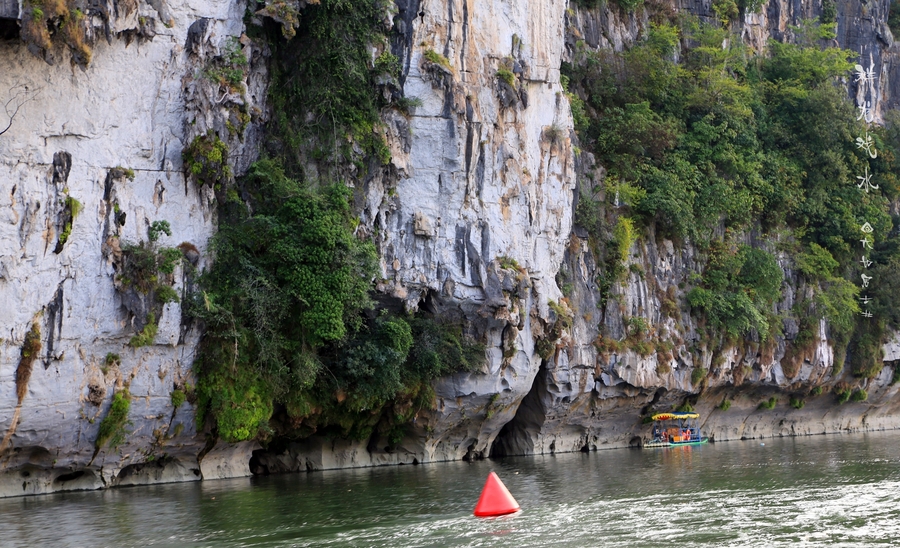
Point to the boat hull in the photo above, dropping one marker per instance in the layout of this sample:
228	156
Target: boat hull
701	441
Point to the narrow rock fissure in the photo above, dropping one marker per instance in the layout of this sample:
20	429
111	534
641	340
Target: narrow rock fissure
54	314
402	37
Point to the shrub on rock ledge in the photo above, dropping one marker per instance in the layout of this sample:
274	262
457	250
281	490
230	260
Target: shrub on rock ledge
206	160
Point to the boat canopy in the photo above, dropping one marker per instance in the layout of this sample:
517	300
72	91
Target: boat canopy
674	416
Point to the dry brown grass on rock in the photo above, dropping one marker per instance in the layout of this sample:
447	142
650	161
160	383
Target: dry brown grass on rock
794	356
30	350
34	31
73	32
46	23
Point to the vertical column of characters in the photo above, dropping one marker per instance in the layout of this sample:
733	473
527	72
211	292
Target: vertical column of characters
865	77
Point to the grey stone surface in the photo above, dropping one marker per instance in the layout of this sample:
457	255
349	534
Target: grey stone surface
9	9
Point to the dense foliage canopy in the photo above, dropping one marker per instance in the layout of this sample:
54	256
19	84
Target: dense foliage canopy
708	142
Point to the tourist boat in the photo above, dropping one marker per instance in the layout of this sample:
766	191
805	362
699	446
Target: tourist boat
676	429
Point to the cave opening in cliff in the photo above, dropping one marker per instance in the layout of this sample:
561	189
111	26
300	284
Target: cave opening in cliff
517	437
9	29
257	466
69	477
274	458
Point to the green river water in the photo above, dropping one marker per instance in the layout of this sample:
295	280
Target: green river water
839	490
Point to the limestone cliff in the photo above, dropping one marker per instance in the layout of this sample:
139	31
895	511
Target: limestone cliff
482	210
475	221
585	397
91	159
581	397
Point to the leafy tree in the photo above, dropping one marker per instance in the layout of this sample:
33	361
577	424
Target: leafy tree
738	289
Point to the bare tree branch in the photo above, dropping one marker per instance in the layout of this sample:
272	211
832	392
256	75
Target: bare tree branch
20	94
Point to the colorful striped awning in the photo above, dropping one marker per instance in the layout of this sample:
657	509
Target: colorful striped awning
674	416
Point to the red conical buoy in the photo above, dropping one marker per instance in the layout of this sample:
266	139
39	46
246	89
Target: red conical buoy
495	499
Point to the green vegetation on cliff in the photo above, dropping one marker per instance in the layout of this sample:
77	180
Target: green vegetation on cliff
724	143
738	289
292	344
112	427
323	89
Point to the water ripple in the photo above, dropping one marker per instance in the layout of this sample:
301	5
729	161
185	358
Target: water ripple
822	491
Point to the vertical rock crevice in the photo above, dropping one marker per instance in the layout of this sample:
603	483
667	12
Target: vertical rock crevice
402	35
54	315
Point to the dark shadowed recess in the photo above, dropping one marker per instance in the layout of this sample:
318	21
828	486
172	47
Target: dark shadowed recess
517	436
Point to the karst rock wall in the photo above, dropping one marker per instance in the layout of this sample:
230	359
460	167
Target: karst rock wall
585	398
477	224
110	137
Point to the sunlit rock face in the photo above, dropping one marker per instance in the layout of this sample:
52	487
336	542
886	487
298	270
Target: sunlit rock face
485	167
109	138
476	223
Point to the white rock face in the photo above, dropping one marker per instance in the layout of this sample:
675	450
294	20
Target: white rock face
125	110
488	174
486	180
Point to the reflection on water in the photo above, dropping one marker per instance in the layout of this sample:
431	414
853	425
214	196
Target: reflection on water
827	490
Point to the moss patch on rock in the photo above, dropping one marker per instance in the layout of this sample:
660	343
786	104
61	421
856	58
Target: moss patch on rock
112	427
